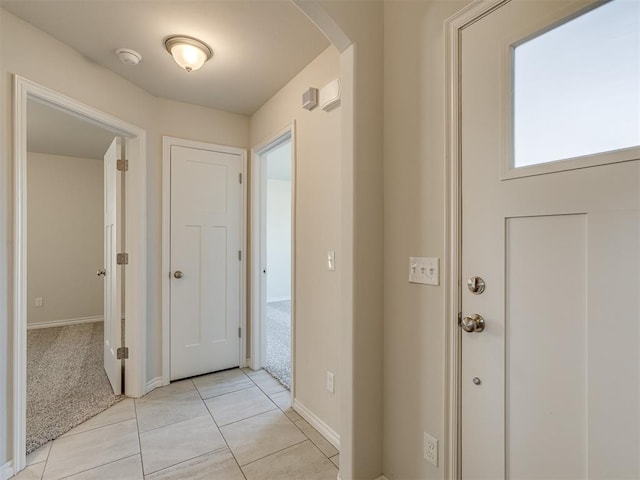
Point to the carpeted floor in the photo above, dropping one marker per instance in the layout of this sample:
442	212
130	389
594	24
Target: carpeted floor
279	341
66	381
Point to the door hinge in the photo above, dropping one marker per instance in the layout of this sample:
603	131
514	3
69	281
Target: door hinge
122	165
239	332
239	178
122	353
240	255
122	259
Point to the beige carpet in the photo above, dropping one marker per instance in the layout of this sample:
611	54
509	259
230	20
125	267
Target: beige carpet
66	382
279	341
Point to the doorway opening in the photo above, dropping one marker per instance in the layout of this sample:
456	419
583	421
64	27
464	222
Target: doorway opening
29	94
66	300
273	257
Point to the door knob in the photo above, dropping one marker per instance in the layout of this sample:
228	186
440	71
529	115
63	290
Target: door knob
101	273
472	323
177	274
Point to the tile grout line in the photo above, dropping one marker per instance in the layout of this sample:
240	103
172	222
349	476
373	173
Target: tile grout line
135	410
46	460
68	434
98	466
278	451
224	439
225	393
311	440
292	421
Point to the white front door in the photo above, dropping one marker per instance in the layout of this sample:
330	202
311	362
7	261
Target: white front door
112	272
205	261
551	386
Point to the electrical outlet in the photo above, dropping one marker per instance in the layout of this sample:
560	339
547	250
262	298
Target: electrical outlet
430	449
330	382
38	301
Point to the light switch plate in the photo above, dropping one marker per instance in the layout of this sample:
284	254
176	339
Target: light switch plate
425	270
331	260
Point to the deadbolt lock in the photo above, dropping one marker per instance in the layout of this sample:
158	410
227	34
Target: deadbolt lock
476	285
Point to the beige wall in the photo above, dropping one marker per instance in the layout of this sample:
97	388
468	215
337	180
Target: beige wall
318	216
362	230
414	189
52	64
65	240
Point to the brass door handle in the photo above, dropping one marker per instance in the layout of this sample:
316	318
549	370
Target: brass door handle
101	273
177	274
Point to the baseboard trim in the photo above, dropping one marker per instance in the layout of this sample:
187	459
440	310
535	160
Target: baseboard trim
317	423
152	384
6	470
64	323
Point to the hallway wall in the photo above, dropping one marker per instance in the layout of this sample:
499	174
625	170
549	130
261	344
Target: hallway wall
414	184
318	230
45	60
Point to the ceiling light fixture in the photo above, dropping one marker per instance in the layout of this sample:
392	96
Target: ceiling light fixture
188	52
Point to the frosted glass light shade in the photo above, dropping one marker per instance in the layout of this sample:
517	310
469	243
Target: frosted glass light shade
189	53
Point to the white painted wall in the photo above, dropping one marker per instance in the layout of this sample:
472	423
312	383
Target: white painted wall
278	240
360	299
47	61
65	240
318	227
414	225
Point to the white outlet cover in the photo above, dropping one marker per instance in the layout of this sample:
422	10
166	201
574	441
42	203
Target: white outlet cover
430	449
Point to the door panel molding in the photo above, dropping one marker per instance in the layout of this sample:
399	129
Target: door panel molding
167	143
136	240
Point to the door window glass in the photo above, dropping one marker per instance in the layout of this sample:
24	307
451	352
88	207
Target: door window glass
576	88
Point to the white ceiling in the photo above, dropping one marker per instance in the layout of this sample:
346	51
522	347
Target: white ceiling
258	45
58	133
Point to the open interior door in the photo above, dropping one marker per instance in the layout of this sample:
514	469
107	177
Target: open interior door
112	272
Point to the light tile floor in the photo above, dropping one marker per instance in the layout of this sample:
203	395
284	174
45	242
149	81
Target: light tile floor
232	425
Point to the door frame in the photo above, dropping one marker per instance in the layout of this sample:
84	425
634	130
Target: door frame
453	27
135	237
167	143
258	252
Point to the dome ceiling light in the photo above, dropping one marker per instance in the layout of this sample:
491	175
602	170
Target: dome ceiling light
188	52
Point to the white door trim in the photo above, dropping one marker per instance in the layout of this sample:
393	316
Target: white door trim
167	142
453	231
257	248
135	222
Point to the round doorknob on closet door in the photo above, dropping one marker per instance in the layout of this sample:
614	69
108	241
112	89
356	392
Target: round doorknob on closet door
177	274
101	273
472	323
